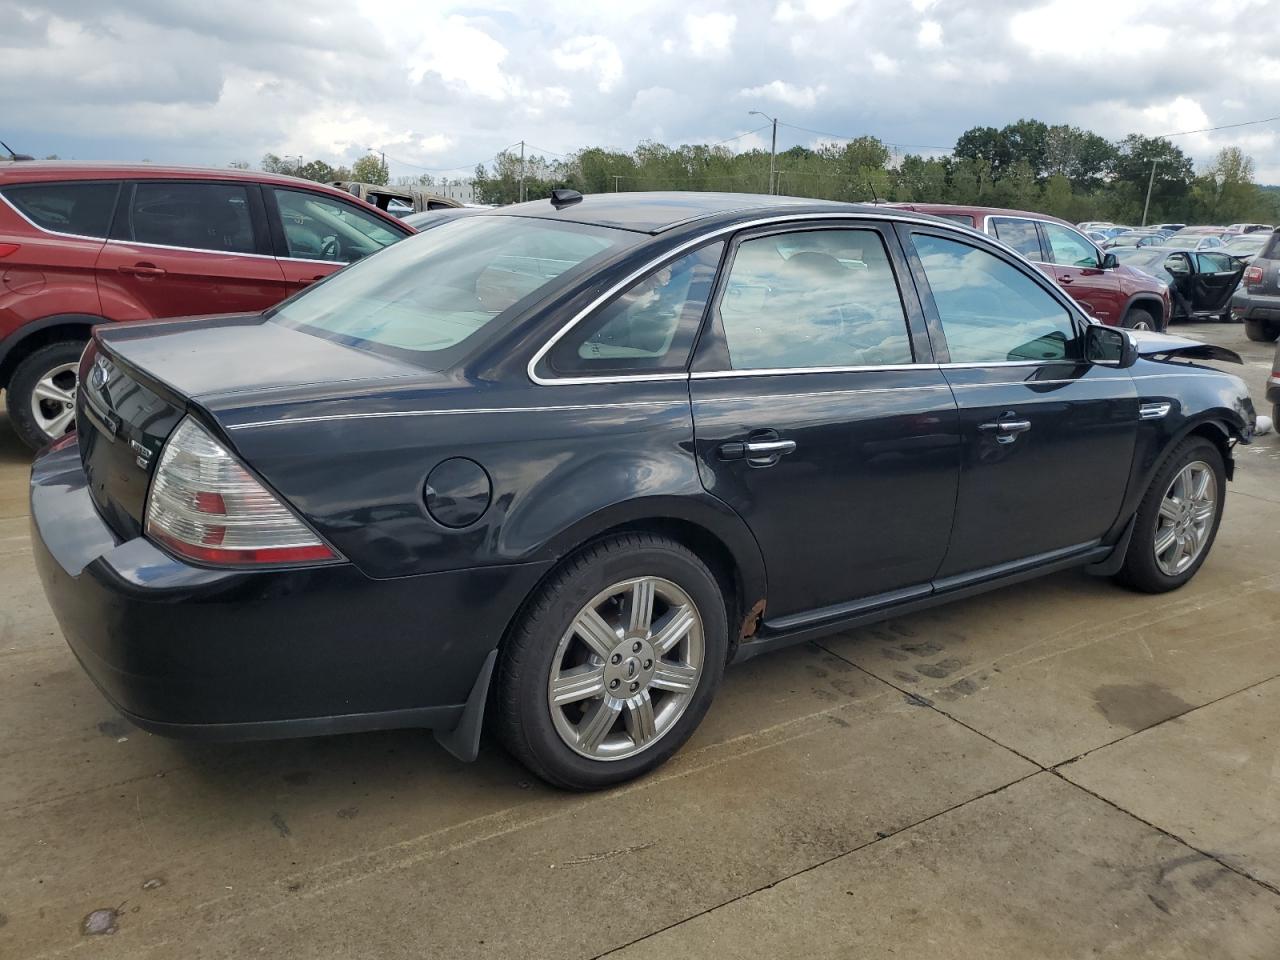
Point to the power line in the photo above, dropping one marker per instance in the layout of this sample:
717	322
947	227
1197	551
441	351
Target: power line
1224	126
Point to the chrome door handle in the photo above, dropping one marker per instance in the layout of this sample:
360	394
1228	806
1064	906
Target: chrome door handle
768	448
1008	430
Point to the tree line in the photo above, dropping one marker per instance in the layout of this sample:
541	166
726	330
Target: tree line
1061	170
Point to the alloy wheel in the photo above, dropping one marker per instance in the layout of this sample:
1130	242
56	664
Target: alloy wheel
53	401
626	669
1186	517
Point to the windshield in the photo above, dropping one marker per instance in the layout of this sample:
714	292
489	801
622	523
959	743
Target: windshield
423	297
1188	242
1144	258
1250	244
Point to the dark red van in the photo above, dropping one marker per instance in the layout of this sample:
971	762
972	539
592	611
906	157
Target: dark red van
82	244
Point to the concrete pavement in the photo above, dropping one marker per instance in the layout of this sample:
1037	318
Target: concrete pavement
1059	769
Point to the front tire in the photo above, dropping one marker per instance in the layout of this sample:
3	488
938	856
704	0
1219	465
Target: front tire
41	395
1177	520
614	663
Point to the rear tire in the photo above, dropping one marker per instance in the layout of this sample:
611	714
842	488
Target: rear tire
1174	512
629	700
40	390
1141	318
1259	332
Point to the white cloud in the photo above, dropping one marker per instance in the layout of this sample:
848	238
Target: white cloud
593	54
710	35
1093	31
465	57
929	36
886	65
779	91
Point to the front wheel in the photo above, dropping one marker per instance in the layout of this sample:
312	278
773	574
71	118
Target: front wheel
41	396
1177	520
1140	318
614	664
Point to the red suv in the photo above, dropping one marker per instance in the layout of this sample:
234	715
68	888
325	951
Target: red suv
1115	294
82	244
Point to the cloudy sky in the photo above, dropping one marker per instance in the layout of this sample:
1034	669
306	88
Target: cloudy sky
440	86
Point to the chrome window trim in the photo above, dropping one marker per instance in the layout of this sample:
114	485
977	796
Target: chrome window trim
458	411
171	246
55	233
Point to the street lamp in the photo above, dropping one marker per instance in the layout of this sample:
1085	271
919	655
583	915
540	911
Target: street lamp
773	146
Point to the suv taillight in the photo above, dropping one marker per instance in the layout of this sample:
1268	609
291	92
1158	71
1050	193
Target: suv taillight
1252	276
205	505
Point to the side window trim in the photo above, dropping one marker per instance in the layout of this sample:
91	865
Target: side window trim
711	355
941	350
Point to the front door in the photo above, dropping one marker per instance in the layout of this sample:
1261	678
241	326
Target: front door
814	421
1048	438
1077	266
181	248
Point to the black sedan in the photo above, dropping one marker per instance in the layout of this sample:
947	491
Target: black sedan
561	463
1200	284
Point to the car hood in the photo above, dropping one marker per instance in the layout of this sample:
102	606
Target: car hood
1166	345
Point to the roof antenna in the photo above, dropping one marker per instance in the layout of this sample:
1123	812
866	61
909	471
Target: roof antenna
872	187
12	155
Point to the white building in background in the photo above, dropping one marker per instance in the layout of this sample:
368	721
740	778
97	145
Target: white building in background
464	191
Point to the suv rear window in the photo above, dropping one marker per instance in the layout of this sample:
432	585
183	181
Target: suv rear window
421	298
1272	250
83	209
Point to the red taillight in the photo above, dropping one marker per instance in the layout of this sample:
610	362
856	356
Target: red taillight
204	505
1253	276
8	248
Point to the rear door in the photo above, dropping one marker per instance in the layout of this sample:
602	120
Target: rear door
315	233
820	419
1048	438
1214	281
186	247
1077	266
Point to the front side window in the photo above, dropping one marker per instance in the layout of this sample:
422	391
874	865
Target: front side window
317	227
814	298
200	216
1069	248
648	328
83	209
1019	234
425	299
990	310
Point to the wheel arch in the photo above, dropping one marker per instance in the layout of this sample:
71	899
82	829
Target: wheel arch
1150	302
40	333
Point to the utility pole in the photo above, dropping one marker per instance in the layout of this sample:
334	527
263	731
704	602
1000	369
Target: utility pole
522	171
616	178
773	148
1150	183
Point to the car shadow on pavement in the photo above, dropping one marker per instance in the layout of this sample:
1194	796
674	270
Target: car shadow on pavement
12	450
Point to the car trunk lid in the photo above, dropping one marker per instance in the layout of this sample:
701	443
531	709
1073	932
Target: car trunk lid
139	380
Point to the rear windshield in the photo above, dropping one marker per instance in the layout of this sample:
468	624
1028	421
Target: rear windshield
423	298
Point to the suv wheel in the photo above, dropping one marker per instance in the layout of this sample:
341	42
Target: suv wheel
1258	331
1177	520
41	396
1140	318
614	664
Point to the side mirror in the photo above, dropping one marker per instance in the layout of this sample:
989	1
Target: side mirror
1110	261
1109	345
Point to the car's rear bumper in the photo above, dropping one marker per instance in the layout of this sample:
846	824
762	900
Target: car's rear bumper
1256	307
216	654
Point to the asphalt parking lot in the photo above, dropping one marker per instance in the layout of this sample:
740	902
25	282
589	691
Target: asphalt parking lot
1056	770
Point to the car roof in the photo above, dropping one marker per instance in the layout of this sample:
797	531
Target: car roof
660	211
978	213
38	171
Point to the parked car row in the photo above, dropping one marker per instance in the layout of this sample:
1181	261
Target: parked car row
82	244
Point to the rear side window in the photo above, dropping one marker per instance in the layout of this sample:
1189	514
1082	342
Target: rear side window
1021	235
648	328
1272	250
814	298
991	311
83	209
199	216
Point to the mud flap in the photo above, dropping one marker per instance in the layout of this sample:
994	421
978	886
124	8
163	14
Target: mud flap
1115	559
463	741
